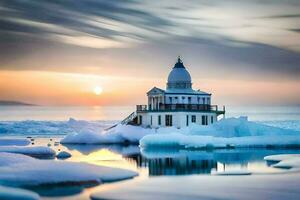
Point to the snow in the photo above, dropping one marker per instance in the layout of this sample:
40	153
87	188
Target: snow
195	141
22	170
119	134
8	193
287	161
38	151
14	141
32	127
231	132
233	173
63	155
237	132
275	187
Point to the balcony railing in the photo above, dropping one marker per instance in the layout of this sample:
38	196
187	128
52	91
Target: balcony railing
181	107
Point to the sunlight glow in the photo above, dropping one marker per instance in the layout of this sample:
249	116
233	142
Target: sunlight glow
98	90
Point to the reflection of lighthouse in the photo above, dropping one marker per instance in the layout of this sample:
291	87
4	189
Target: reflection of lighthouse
174	166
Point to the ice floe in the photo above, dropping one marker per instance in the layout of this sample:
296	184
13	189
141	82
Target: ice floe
281	186
14	141
119	134
287	161
63	155
22	170
37	151
8	193
231	132
32	127
233	173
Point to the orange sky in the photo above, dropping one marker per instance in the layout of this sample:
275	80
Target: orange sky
55	88
57	52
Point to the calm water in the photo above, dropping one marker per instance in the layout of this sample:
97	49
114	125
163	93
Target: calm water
156	163
44	123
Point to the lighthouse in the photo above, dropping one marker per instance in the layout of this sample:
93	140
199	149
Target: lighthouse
179	105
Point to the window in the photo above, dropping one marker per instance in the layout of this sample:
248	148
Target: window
140	119
187	120
204	120
193	118
199	100
151	120
159	120
170	99
169	120
212	119
190	100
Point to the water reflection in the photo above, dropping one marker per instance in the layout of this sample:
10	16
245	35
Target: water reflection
173	161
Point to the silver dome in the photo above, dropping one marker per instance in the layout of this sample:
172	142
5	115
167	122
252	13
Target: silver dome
179	77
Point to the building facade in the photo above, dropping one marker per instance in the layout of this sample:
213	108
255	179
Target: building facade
179	105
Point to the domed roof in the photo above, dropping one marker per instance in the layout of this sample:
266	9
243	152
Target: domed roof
179	77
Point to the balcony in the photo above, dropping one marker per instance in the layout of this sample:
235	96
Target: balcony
182	108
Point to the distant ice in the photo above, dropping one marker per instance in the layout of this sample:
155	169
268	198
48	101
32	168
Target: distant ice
22	170
8	193
32	127
14	141
37	151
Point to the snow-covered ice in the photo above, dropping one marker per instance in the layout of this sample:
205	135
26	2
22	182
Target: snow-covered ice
277	187
38	151
287	161
63	155
233	173
33	127
231	132
119	134
237	132
22	170
8	193
14	141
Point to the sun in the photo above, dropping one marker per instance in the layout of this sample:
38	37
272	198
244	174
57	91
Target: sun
98	90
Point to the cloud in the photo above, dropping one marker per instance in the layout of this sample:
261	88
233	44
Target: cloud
249	35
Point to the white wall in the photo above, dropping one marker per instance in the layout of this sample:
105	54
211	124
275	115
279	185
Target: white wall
178	118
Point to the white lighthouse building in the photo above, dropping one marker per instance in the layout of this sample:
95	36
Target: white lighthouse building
179	105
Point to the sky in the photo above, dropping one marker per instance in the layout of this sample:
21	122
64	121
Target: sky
244	52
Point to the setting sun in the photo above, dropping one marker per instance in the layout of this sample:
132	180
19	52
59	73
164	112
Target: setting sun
98	90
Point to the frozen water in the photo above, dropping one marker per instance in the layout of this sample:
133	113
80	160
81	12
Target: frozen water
22	170
8	193
281	186
14	141
38	151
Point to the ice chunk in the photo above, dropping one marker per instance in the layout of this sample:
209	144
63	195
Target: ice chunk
63	155
8	193
14	141
22	170
226	132
119	134
286	161
198	141
233	173
36	151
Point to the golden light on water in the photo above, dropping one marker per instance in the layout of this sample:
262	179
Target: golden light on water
98	90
